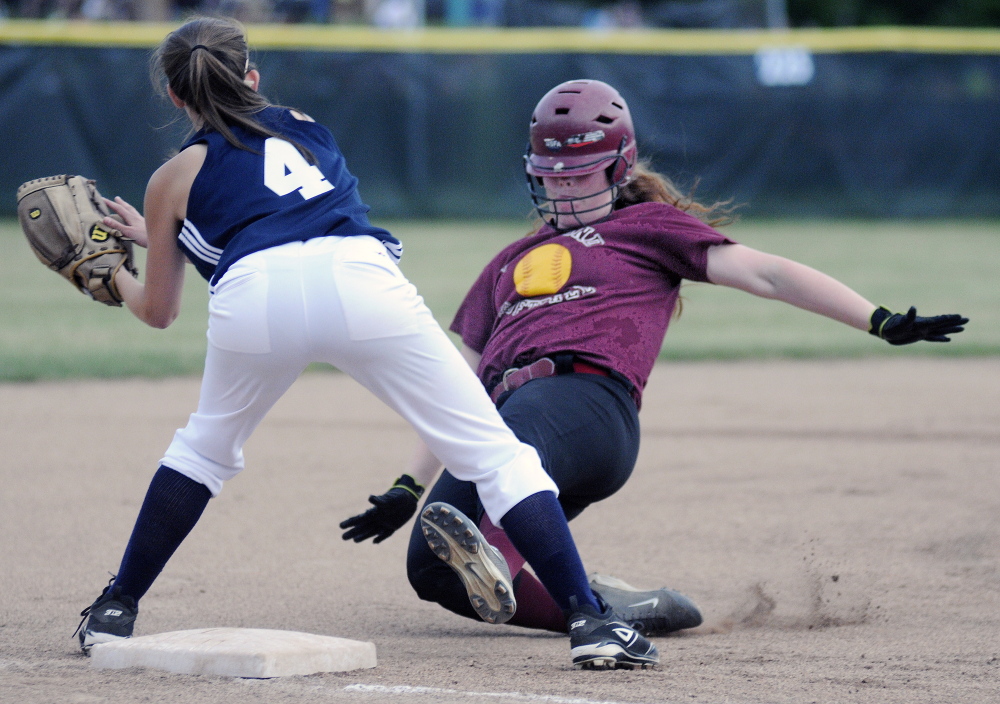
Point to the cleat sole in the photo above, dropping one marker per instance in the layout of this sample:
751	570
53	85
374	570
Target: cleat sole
454	541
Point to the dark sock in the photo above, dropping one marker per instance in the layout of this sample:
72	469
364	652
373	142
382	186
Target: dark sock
537	528
173	505
535	606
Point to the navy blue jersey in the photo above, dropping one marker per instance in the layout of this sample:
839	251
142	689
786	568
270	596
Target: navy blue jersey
242	202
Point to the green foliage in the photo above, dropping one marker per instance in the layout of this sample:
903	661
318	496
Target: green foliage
49	331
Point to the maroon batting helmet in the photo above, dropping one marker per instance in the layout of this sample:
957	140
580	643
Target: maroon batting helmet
578	128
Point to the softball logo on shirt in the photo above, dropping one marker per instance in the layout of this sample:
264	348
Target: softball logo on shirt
543	271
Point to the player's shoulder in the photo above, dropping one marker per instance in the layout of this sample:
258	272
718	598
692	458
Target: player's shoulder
180	168
285	118
170	184
301	116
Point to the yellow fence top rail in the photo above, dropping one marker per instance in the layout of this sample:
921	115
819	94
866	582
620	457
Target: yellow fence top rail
522	41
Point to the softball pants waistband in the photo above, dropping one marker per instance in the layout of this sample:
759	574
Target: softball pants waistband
343	301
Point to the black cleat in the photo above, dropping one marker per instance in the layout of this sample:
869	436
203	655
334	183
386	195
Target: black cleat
110	618
599	641
454	538
653	612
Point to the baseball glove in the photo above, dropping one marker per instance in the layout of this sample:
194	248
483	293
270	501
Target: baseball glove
63	219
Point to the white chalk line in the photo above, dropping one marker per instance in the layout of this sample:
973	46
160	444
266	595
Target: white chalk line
515	696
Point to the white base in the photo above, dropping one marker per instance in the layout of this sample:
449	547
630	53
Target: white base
236	652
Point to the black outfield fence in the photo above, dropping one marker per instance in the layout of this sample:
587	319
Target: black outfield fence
901	123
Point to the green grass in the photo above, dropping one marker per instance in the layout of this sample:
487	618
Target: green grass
49	331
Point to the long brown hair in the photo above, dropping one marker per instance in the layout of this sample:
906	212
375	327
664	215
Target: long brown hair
648	186
205	62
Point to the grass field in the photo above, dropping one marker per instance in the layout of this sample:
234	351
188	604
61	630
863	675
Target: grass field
48	331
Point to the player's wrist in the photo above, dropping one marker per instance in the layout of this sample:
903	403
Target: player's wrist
878	320
410	485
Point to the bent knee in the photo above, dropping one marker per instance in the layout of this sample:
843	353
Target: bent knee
429	580
192	460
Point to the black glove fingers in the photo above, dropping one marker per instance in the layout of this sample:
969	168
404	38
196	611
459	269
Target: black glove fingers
942	320
364	536
390	511
357	524
905	329
358	533
941	325
352	521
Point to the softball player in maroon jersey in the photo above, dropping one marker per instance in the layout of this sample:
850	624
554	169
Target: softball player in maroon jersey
260	200
563	328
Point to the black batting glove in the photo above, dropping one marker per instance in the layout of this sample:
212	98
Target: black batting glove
390	513
900	329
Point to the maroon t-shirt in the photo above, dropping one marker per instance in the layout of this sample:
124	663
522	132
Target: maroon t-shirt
605	292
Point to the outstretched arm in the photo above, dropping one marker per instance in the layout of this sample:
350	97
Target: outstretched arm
770	276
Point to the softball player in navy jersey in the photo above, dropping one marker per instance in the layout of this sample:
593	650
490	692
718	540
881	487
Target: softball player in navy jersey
260	201
563	328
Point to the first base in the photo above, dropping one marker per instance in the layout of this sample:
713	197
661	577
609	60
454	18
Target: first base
236	652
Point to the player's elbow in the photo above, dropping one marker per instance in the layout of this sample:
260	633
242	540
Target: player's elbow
162	322
764	281
771	278
160	318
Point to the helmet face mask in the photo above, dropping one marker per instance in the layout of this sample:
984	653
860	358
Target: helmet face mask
579	128
547	206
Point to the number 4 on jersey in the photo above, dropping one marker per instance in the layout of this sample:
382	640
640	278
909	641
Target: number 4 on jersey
286	170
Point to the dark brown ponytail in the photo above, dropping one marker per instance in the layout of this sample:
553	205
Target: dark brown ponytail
205	63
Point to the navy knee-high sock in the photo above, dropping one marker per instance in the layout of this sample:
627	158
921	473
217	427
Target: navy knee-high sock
537	528
173	504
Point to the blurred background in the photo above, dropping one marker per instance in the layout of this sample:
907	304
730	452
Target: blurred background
795	108
535	13
857	136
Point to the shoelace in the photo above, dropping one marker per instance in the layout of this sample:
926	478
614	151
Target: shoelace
86	612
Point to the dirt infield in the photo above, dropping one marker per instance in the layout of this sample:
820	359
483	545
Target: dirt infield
838	522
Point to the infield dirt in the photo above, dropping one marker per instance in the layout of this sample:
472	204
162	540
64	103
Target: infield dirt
837	521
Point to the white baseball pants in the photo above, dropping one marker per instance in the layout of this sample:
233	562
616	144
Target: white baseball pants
343	301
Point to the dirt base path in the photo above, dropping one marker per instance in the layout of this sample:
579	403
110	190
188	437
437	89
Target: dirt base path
838	522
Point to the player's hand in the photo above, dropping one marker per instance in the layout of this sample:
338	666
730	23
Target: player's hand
134	227
903	329
391	512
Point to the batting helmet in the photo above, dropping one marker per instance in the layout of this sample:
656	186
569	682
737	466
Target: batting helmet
578	128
